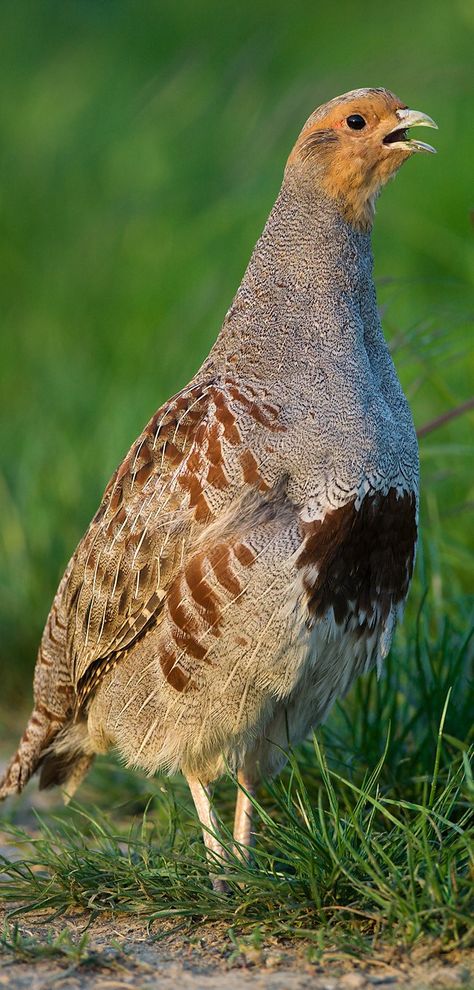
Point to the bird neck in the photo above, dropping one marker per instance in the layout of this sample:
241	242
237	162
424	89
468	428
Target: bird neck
307	291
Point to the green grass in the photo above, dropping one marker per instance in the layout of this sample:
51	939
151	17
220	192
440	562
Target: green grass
345	855
27	948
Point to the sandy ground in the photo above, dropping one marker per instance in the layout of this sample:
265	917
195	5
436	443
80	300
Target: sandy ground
121	953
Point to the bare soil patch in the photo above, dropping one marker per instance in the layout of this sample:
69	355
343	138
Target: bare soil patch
121	952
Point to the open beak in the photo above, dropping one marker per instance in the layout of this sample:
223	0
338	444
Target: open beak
398	135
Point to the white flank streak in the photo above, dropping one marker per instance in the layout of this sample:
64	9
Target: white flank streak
136	552
134	695
254	652
134	465
149	733
243	702
148	699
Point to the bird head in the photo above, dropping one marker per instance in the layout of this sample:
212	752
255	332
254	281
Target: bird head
351	146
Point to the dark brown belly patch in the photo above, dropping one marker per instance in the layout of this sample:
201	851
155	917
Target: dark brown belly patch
359	562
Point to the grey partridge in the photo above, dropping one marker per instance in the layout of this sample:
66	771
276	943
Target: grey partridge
252	553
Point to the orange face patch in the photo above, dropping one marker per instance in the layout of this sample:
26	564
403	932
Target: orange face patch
341	148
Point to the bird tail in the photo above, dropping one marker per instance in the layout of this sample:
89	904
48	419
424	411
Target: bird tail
59	748
38	735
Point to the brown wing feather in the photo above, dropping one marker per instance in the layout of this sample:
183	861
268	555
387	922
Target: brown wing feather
127	557
155	505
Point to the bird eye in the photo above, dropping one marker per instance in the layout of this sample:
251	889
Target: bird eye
355	121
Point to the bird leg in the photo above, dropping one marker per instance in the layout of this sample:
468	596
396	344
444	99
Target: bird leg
202	802
243	836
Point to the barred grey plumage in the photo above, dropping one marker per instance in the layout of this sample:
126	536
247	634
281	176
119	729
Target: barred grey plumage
253	552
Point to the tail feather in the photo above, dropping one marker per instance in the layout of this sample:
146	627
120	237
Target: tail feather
38	735
61	749
50	726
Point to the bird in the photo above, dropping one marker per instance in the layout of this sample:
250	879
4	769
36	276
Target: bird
253	552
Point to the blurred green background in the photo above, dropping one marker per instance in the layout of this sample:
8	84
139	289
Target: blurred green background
142	147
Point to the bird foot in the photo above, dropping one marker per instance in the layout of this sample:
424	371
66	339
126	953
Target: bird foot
220	886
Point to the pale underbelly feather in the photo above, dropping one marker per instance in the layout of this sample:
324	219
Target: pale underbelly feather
330	660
